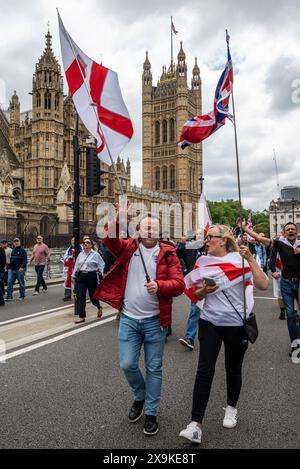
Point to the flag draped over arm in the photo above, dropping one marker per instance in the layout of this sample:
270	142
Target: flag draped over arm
198	128
97	97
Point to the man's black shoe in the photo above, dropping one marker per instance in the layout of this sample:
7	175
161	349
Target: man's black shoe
136	411
188	343
151	425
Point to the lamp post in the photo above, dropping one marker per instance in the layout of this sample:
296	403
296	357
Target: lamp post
201	179
293	206
275	216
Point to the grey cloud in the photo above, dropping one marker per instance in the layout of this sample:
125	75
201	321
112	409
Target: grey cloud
279	81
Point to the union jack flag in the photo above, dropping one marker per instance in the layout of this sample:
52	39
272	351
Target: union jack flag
198	128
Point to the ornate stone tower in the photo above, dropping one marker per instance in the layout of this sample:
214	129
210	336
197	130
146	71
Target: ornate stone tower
42	170
166	107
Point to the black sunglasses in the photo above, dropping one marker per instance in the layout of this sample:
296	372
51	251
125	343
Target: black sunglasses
209	237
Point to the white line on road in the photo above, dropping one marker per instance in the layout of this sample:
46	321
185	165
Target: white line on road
40	313
55	339
265	297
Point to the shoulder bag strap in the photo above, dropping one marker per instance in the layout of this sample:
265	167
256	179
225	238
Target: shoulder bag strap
233	305
80	267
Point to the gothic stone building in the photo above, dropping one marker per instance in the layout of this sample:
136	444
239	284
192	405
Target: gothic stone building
36	154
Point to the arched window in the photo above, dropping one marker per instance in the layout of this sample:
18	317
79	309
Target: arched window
47	146
46	176
38	99
165	178
56	104
172	130
47	100
44	226
157	178
164	132
56	148
157	133
172	176
37	144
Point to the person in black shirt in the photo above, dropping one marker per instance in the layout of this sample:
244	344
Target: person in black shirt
16	270
289	250
2	271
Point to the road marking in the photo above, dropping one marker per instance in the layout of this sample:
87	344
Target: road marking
16	353
265	297
40	313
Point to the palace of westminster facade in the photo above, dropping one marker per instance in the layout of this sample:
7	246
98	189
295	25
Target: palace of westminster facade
36	154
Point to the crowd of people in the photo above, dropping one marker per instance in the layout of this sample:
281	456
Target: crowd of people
139	276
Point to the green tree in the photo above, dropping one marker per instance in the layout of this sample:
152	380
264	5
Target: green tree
227	212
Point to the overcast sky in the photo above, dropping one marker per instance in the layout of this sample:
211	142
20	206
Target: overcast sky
265	49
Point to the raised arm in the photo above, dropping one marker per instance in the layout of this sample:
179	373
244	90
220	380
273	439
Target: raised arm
256	236
260	279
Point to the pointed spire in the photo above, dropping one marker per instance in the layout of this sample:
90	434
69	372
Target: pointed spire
147	65
128	166
196	69
48	38
181	53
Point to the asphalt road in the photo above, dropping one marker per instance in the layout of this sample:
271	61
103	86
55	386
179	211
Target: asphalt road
33	304
72	394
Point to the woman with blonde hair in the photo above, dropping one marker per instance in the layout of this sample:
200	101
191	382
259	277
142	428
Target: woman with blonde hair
221	301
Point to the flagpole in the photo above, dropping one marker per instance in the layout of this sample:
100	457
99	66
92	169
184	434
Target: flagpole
99	123
238	179
171	44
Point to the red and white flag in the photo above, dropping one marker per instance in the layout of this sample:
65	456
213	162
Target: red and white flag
204	218
226	272
97	97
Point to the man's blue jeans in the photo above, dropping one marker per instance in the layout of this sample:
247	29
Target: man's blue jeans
132	334
14	275
1	291
193	321
40	279
290	292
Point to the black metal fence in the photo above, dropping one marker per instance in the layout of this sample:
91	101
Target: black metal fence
56	234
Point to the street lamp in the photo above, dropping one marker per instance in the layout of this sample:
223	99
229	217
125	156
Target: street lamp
275	216
201	179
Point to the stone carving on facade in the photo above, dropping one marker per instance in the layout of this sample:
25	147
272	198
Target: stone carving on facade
65	179
4	164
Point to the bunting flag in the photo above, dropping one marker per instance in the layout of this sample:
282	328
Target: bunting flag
226	272
198	128
97	97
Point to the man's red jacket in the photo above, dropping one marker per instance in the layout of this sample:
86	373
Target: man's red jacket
169	277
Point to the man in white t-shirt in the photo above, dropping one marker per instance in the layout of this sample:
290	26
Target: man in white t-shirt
146	307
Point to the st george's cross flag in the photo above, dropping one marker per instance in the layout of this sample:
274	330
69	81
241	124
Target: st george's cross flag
204	218
226	271
198	128
97	97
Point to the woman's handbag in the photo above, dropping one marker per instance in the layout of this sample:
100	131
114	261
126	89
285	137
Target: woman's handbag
249	323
